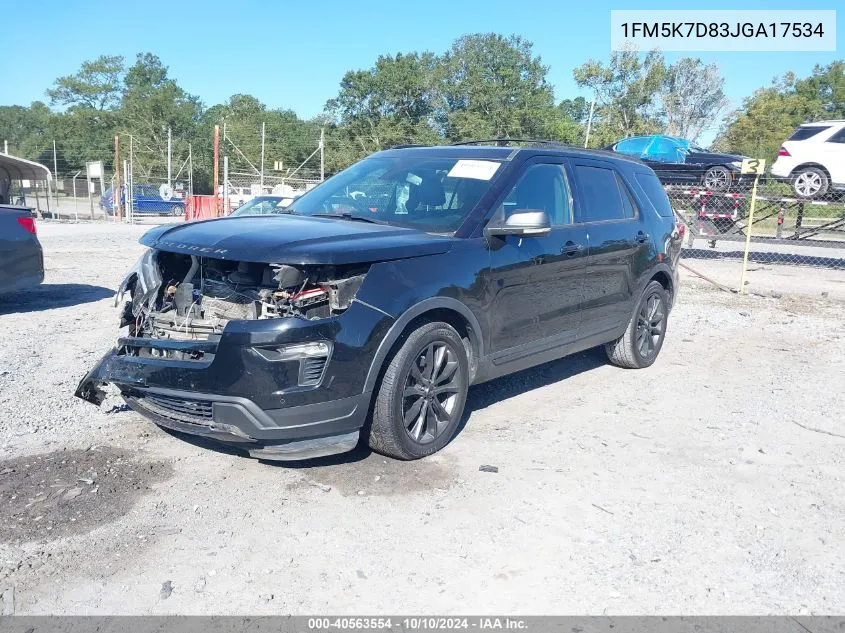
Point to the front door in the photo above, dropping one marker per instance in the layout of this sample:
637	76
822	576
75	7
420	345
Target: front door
537	280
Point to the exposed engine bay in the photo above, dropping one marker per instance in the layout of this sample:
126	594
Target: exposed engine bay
188	297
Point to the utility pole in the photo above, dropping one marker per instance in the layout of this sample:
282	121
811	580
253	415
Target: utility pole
217	169
589	122
117	212
169	152
322	154
263	128
191	172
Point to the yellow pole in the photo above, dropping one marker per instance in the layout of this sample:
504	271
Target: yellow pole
748	228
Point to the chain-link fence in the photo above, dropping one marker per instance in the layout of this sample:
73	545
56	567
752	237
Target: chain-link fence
758	234
255	163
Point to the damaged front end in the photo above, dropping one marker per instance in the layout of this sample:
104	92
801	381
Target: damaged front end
234	349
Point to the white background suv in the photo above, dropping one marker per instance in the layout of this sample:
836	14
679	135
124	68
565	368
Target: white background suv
813	159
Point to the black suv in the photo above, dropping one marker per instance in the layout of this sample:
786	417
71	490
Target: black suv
374	301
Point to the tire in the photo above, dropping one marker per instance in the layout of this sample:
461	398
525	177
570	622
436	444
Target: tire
717	179
406	386
176	209
630	350
810	182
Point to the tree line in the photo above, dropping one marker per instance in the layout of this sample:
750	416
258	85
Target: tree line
484	86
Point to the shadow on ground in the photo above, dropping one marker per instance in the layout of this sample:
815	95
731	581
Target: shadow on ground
49	296
479	397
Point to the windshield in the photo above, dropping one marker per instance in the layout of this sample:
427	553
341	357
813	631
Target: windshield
423	192
263	205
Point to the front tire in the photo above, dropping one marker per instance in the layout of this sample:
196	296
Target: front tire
422	394
643	339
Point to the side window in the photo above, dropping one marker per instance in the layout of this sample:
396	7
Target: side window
542	187
804	132
655	193
839	137
628	204
603	198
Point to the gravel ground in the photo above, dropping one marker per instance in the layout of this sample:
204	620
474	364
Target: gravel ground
711	483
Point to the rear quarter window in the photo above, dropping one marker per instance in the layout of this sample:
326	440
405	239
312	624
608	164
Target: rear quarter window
803	133
655	193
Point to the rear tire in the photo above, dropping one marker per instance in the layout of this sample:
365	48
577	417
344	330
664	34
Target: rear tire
717	179
176	209
810	182
422	394
643	338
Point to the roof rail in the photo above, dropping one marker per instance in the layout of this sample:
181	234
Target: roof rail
406	145
503	141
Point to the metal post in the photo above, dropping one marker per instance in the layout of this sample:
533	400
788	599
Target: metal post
263	129
799	220
75	201
6	147
217	169
225	185
590	122
169	152
56	178
748	229
322	154
128	191
190	172
118	215
130	183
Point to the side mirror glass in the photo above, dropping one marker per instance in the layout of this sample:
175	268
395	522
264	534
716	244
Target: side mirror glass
526	222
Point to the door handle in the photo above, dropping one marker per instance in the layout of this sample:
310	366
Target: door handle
570	248
642	238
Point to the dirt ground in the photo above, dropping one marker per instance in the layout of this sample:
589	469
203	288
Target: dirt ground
711	483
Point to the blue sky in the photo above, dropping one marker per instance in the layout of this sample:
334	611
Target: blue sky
293	54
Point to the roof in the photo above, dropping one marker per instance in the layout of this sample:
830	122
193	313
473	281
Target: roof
23	169
506	153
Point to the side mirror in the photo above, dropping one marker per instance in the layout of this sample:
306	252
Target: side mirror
526	222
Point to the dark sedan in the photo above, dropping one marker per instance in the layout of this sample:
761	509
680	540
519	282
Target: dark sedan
21	259
679	161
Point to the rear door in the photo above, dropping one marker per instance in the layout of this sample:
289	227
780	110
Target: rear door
617	244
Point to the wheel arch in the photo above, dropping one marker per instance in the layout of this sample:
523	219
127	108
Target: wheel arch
445	309
807	165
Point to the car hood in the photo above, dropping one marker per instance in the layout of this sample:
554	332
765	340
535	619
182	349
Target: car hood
294	240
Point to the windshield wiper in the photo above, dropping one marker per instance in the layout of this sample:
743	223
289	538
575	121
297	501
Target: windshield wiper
347	216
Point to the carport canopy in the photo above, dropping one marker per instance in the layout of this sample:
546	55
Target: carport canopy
22	169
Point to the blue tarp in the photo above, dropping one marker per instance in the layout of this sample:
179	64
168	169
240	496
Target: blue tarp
663	149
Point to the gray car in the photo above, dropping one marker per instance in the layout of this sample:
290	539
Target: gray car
21	258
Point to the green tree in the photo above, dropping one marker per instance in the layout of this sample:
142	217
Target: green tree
152	103
392	103
692	96
493	86
769	116
625	92
97	85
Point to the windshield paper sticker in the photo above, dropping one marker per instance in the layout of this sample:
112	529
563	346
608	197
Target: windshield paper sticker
475	169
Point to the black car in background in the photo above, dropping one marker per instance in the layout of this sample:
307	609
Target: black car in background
368	308
21	258
679	161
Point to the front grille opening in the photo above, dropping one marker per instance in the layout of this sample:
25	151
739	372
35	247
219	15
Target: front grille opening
188	411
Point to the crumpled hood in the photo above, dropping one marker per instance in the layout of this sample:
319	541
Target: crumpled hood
294	240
